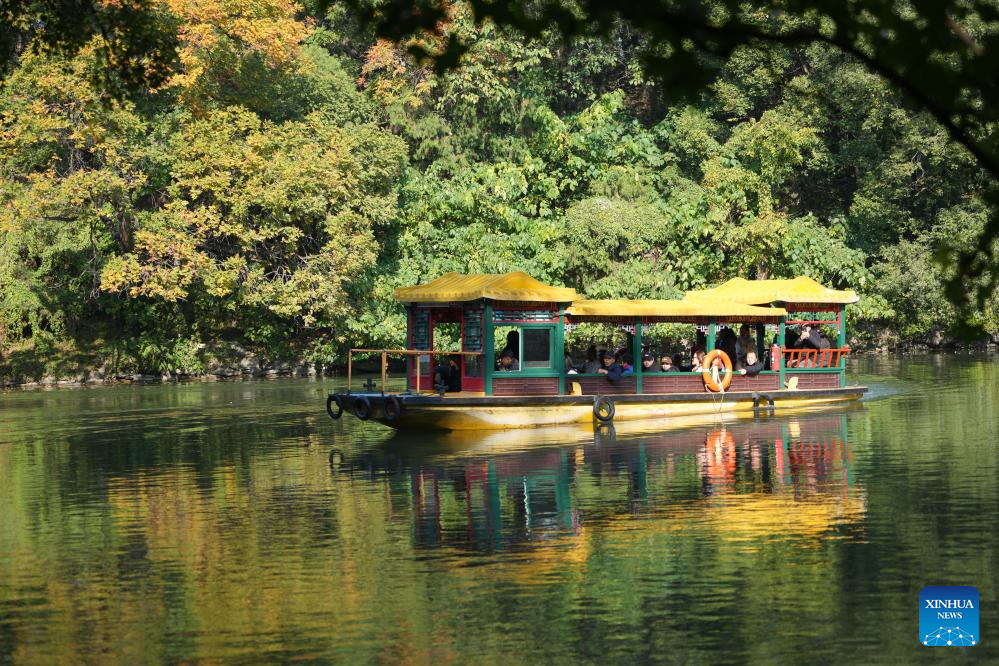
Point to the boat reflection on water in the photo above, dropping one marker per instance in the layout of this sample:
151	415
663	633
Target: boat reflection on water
743	483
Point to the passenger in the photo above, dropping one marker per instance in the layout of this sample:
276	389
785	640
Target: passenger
513	341
449	375
753	365
592	363
666	365
726	343
628	364
809	338
790	338
610	367
743	345
570	365
508	362
696	360
648	363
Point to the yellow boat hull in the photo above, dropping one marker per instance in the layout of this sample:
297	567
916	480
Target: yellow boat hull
497	413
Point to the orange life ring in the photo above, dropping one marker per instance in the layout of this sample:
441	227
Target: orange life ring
710	383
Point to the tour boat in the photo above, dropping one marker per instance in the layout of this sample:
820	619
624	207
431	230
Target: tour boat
534	318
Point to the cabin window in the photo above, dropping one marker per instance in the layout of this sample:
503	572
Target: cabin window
537	348
531	346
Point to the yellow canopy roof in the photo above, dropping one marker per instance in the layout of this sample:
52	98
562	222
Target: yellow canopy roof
675	310
757	292
517	286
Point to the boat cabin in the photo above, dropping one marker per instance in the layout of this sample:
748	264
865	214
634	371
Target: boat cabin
492	313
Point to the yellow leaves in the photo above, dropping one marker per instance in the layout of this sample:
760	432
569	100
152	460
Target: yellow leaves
268	27
171	264
225	278
279	216
389	75
216	34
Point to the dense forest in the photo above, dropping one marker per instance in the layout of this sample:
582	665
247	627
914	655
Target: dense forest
293	169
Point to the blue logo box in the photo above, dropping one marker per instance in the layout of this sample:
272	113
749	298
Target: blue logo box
948	616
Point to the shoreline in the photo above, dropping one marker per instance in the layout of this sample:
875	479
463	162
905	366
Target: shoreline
94	377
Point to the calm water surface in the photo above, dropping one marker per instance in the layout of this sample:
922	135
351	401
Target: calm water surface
235	521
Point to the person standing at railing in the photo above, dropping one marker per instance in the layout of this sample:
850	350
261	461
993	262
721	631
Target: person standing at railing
743	345
810	339
449	374
727	342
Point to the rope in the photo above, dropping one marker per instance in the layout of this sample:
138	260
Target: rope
716	377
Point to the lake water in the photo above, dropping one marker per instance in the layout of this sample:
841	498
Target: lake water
236	521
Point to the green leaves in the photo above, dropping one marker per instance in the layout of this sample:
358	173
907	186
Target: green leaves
288	174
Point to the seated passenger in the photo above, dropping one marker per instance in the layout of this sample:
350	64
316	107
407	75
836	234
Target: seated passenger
449	375
696	359
743	345
592	363
610	367
628	364
508	362
570	365
753	365
666	365
648	361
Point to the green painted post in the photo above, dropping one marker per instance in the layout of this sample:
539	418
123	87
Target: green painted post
761	332
637	354
487	350
409	342
711	335
842	343
780	357
560	351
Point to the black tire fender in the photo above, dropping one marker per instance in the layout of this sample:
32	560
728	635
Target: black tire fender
603	409
392	408
334	400
362	407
